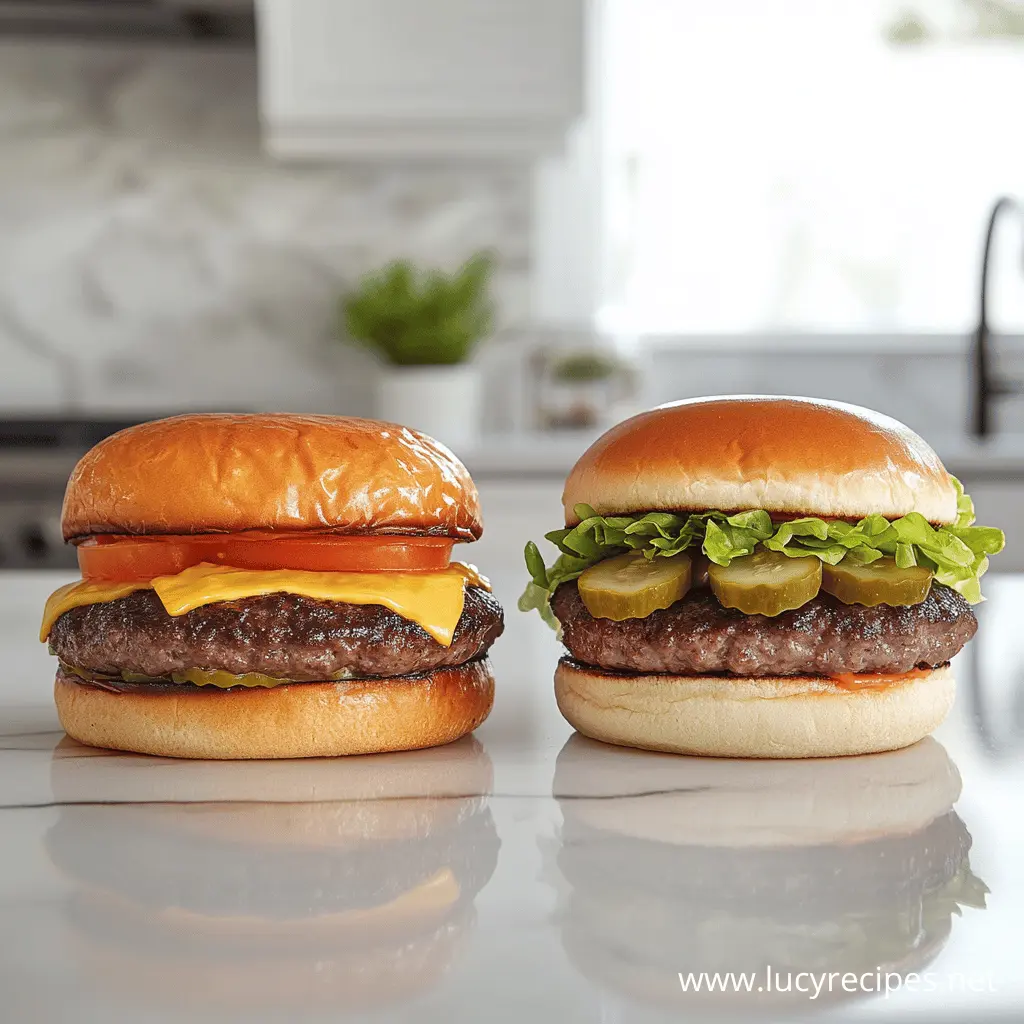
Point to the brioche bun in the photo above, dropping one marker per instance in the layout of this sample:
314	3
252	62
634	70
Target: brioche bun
793	456
224	473
715	716
364	716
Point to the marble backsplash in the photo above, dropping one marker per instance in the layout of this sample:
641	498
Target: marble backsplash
152	258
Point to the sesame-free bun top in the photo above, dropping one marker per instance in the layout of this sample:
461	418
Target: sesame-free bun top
792	456
223	473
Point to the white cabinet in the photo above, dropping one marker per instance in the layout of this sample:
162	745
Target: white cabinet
366	79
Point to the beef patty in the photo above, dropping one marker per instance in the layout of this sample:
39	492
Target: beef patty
697	636
279	635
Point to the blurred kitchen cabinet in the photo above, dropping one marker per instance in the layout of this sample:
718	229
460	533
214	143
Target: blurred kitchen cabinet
365	79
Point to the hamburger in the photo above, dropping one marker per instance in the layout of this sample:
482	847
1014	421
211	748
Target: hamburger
670	866
760	577
263	586
321	887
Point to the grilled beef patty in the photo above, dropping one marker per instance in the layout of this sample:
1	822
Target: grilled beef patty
698	636
279	635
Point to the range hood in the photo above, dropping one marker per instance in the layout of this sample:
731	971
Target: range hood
420	79
185	21
344	80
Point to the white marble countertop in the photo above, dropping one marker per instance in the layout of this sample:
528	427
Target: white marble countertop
558	879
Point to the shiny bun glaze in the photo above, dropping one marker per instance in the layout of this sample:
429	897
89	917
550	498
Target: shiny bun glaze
793	456
223	473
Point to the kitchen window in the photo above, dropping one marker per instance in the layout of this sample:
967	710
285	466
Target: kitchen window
799	166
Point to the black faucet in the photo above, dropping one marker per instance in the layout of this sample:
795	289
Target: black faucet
987	385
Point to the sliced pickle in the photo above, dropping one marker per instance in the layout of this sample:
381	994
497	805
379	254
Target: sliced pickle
766	582
224	680
138	677
219	678
632	586
879	582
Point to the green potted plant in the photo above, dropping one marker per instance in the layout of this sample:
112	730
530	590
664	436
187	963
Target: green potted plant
424	325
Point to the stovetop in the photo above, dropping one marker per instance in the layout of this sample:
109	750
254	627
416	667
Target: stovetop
37	455
42	434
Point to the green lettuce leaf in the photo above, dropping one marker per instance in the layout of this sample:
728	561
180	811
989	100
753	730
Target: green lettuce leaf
957	554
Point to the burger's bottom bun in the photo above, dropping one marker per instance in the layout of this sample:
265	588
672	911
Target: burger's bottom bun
364	716
719	716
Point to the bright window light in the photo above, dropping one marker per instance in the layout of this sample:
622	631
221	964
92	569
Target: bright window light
810	165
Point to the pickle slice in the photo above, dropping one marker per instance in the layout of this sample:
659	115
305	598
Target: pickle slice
766	582
631	586
879	582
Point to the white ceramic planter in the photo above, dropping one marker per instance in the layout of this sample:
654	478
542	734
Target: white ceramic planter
442	401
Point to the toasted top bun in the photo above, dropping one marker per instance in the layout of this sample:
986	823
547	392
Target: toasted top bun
795	456
223	473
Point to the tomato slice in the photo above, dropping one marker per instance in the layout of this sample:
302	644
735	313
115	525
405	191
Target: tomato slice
142	558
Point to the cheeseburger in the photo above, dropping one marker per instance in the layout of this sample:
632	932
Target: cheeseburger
271	586
761	577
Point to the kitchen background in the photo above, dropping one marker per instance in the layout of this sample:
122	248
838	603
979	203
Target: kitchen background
780	197
678	198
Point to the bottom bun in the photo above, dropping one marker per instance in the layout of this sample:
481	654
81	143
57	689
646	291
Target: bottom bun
364	716
718	716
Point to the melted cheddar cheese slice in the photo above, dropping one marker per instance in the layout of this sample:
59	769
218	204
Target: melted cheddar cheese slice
433	600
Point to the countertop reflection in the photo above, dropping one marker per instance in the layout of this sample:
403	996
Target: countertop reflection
758	886
524	873
322	885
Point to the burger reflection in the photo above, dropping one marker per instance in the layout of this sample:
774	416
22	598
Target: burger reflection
345	884
672	868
